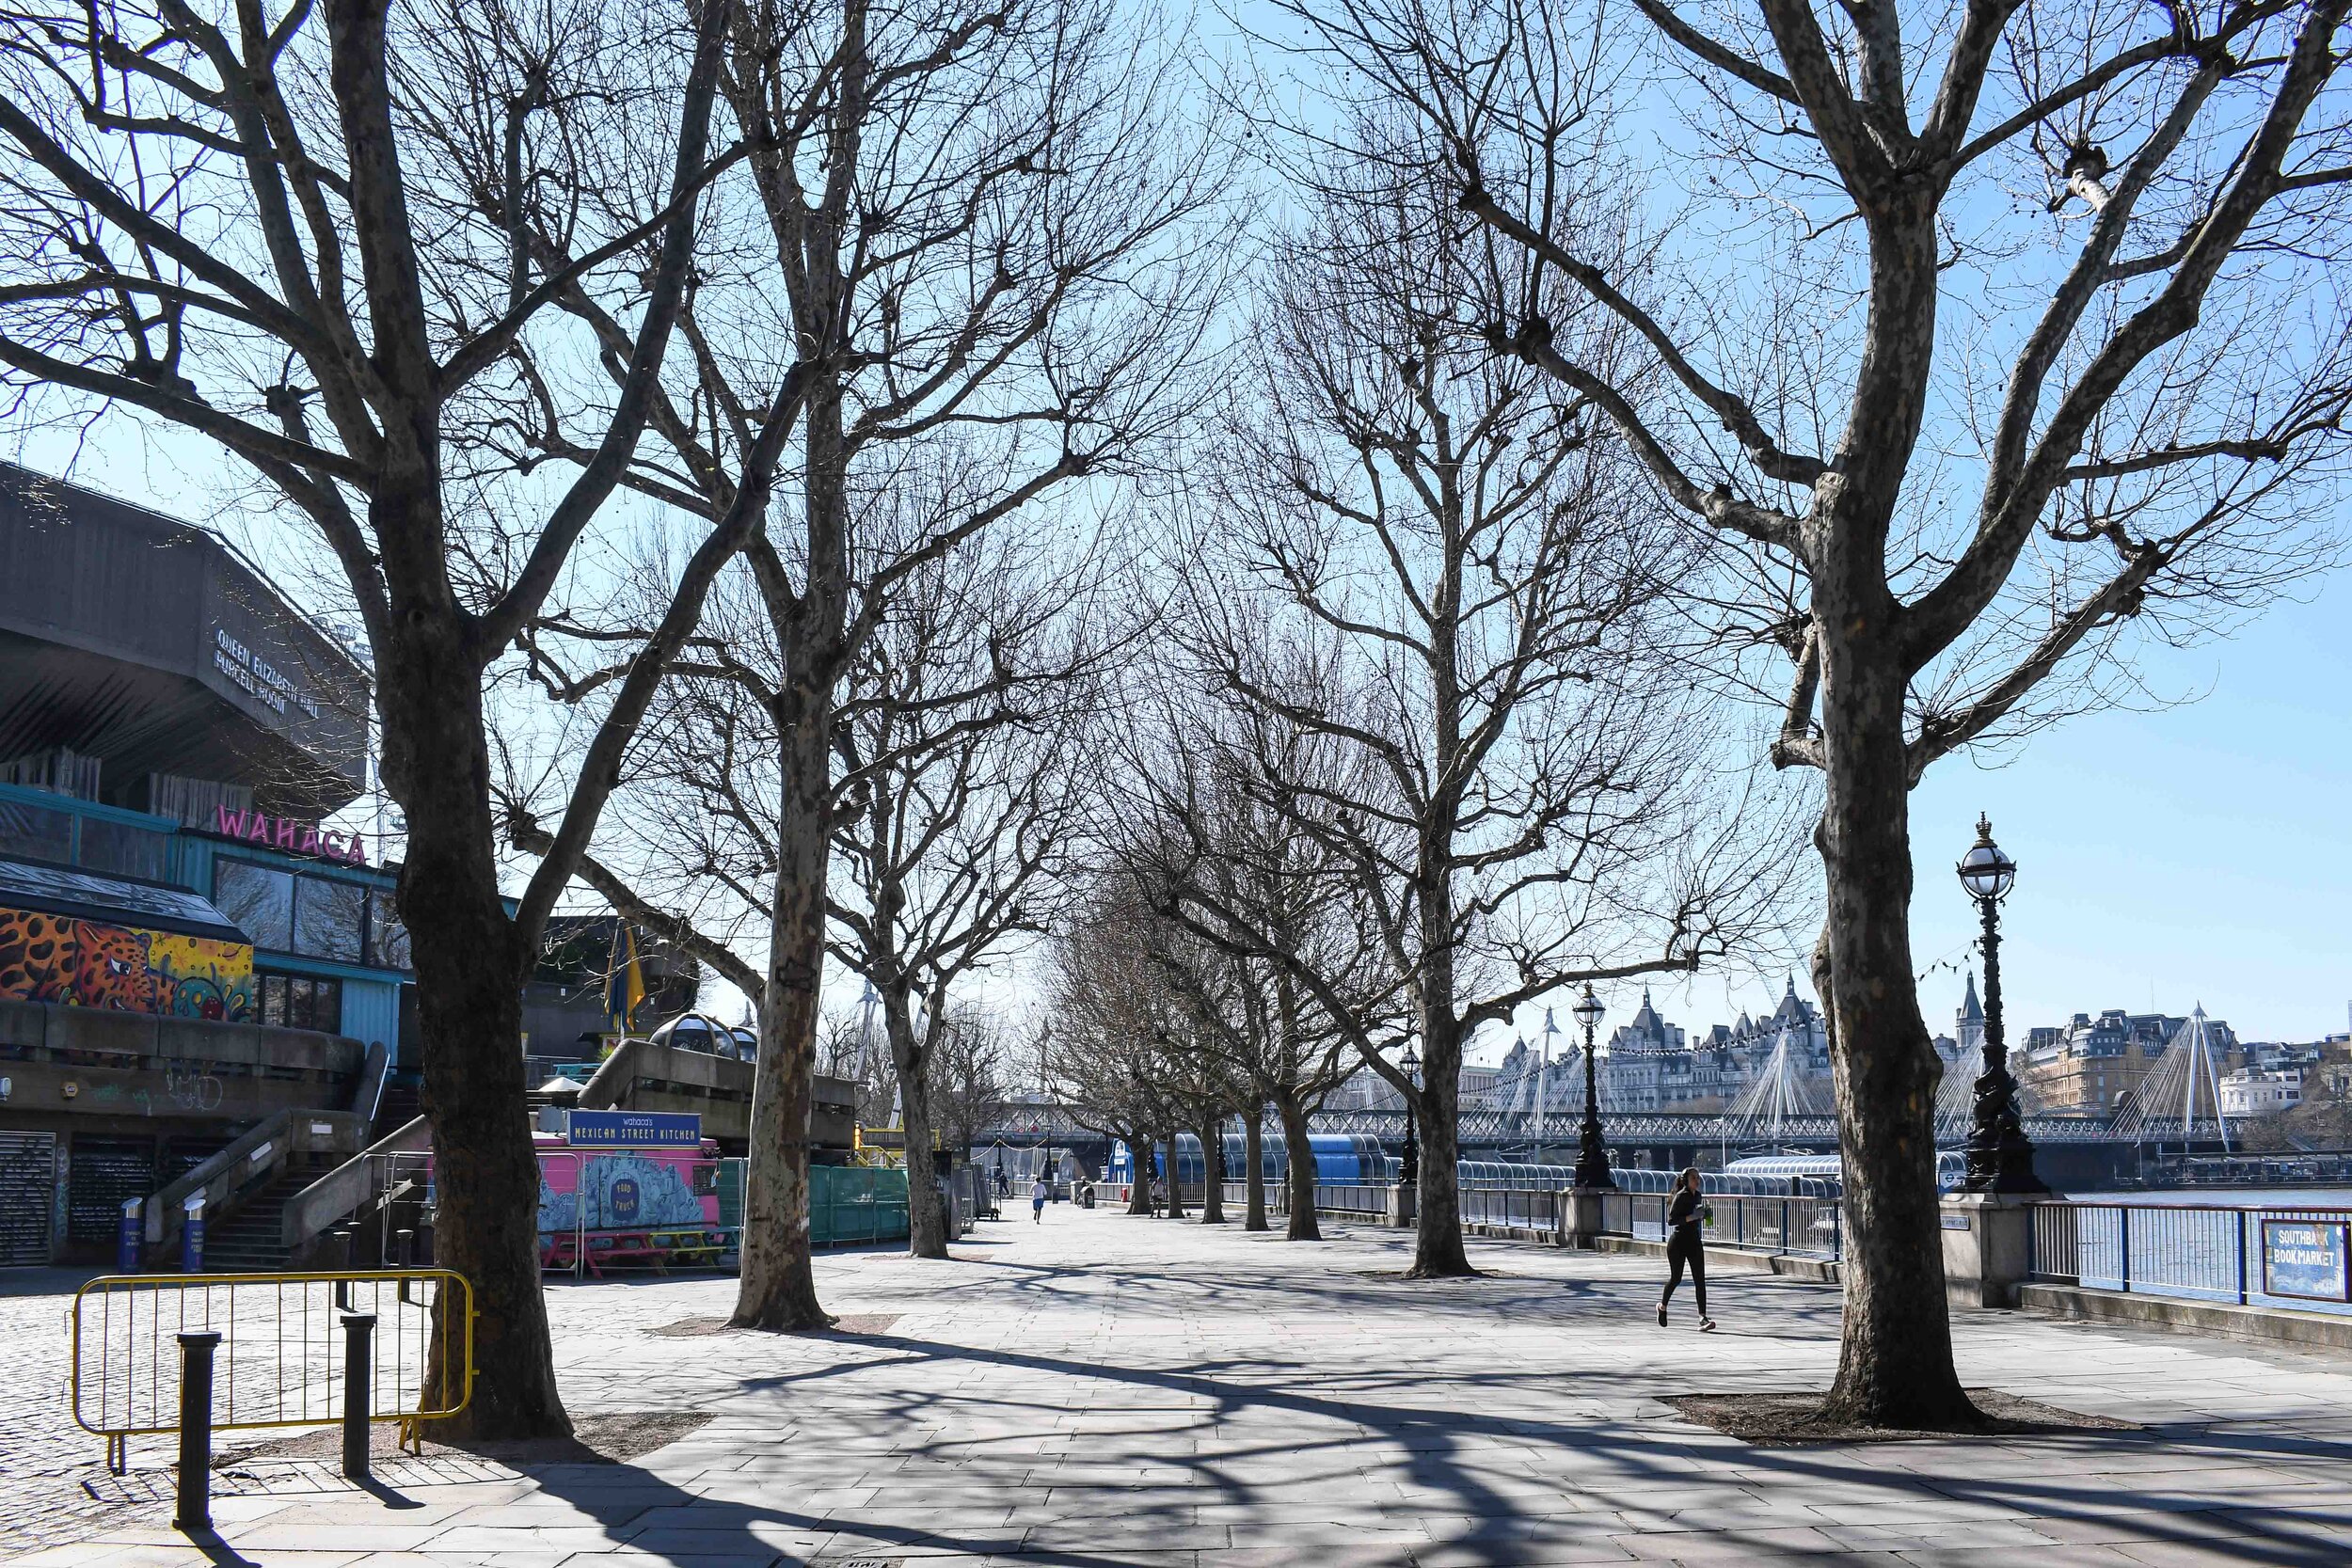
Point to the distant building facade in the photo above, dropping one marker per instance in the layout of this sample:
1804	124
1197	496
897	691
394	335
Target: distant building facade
2094	1064
2257	1092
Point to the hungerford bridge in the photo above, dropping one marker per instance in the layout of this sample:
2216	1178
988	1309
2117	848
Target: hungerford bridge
2073	1150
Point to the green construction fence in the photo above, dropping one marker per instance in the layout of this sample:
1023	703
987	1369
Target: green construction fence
847	1204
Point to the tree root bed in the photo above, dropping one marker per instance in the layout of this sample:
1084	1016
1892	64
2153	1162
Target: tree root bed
853	1322
614	1437
1784	1420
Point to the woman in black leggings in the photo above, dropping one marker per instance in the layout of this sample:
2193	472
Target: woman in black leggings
1683	1245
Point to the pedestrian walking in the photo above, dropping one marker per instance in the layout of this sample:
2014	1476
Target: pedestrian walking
1038	1194
1684	1245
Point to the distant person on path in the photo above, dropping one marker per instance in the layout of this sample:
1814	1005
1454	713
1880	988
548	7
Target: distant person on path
1159	1195
1684	1216
1038	1194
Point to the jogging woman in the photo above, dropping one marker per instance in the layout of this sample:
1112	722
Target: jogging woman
1684	1245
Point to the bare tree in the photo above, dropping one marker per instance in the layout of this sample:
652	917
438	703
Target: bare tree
2015	344
962	779
1454	671
1109	1020
970	1084
1269	887
305	236
964	251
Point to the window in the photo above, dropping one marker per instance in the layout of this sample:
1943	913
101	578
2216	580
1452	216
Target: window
326	918
258	900
300	1001
388	939
119	847
35	832
319	917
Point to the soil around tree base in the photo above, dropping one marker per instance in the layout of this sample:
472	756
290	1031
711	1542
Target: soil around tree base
1790	1419
614	1437
851	1323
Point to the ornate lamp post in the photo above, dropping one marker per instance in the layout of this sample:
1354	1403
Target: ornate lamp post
1592	1151
1408	1168
2000	1156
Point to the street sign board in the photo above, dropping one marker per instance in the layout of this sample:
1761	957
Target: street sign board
2306	1259
633	1130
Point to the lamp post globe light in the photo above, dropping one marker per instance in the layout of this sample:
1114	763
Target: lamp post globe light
1592	1151
1408	1166
1999	1155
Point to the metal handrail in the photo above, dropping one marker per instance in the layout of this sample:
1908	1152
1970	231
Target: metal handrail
279	1354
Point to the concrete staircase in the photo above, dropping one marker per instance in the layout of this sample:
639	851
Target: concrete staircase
252	1240
399	1106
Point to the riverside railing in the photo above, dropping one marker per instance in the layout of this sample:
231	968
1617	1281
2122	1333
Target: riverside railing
1354	1200
1790	1227
2250	1255
1515	1208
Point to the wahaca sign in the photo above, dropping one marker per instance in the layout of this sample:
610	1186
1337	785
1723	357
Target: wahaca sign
284	833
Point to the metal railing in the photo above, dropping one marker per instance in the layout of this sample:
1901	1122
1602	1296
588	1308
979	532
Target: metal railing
1516	1208
2195	1252
281	1359
1784	1227
1352	1200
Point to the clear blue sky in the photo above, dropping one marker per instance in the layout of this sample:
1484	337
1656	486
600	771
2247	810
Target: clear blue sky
2203	852
2196	853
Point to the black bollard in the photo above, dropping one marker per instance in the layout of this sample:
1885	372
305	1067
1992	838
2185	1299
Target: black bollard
358	1329
195	1432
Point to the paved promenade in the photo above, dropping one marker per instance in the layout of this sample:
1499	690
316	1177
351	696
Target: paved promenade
1110	1390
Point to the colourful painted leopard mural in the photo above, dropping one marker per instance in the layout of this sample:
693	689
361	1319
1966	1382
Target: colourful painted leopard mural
110	970
87	963
36	957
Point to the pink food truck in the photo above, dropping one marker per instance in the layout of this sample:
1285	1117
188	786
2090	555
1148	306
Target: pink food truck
629	1189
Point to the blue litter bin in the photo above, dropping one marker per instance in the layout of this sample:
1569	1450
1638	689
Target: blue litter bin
127	1236
191	1236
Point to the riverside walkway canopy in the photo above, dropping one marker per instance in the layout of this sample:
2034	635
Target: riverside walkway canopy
149	645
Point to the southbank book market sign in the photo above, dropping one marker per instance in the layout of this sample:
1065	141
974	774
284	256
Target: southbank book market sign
284	833
633	1130
2306	1259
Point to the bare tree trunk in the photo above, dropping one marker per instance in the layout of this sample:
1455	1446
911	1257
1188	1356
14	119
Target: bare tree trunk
1891	1372
1212	1172
1253	1153
1140	1158
779	1284
1437	1216
927	1215
1175	1180
469	1005
1299	1180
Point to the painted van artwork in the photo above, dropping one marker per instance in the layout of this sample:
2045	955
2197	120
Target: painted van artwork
89	963
603	1207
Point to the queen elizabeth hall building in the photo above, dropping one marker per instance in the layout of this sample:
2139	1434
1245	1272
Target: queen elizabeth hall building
187	946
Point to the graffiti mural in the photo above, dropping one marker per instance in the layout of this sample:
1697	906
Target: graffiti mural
88	963
622	1192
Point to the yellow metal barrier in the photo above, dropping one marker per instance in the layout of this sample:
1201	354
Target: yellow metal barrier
281	1361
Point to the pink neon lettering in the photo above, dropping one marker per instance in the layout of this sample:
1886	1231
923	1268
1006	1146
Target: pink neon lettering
260	829
229	823
289	835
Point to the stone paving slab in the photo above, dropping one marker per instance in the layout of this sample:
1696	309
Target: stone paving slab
1108	1391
